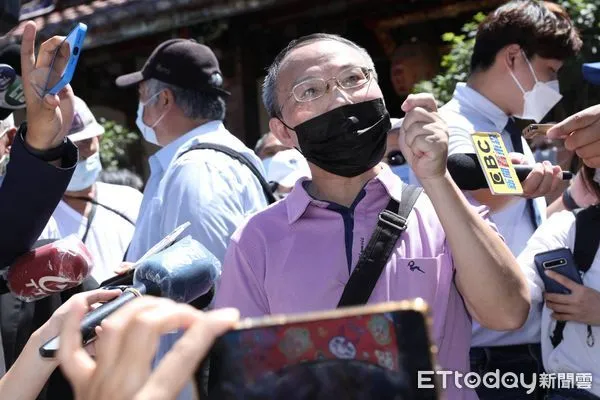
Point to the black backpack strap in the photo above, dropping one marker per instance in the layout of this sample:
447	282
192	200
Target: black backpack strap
587	237
234	154
587	241
391	224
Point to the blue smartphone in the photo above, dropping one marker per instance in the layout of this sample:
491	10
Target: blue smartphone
74	41
560	261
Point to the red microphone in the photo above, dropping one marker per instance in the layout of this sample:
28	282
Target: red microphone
49	269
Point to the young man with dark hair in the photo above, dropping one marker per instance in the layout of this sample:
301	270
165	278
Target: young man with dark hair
518	52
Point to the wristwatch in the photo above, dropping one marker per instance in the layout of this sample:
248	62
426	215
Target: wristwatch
568	200
48	155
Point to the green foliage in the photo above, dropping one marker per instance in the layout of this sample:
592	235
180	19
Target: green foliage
455	65
114	145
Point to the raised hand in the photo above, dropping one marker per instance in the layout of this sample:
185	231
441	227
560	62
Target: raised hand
49	117
423	138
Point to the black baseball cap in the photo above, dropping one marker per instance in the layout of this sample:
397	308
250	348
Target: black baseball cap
180	62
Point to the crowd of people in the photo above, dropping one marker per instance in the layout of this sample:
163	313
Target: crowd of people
290	220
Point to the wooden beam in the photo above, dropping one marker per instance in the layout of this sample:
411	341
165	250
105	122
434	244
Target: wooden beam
445	11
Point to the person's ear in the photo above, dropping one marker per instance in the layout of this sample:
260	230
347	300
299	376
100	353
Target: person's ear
511	55
286	136
166	99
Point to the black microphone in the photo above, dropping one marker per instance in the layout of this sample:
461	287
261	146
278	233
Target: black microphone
183	272
468	174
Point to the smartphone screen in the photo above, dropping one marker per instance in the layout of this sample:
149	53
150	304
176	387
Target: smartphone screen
62	68
389	341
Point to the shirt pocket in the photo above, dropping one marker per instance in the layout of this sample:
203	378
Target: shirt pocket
417	277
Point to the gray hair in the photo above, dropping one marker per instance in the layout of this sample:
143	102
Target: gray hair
6	124
269	94
194	104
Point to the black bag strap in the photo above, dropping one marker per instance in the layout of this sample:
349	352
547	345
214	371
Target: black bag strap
587	237
90	219
234	154
391	224
587	241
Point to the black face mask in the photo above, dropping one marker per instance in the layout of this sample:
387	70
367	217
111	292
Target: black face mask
346	141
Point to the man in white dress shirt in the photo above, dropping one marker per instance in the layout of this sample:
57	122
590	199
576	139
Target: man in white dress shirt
518	51
181	104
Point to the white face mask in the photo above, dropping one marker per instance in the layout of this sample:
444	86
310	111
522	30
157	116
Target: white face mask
86	173
538	101
148	132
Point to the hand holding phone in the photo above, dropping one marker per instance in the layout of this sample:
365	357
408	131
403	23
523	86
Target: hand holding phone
560	261
64	61
535	130
49	116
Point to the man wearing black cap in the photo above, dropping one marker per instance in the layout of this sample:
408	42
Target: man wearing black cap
182	105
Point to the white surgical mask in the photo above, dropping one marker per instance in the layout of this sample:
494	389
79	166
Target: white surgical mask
86	173
538	101
148	132
597	176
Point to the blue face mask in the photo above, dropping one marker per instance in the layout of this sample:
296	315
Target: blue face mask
86	173
402	171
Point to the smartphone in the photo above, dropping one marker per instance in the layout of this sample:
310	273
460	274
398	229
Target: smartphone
535	130
560	261
74	42
389	340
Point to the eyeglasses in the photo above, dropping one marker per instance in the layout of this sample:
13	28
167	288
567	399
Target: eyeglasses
313	89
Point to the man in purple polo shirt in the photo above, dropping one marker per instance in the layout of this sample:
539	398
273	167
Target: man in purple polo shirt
298	254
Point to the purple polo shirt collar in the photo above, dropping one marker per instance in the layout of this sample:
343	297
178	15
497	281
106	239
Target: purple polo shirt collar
299	199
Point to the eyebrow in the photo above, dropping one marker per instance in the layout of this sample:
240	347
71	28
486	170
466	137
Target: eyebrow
309	77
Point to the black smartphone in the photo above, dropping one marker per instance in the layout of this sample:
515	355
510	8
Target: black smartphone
560	261
388	343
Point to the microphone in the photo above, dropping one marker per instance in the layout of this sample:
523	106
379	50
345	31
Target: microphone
183	272
468	174
51	268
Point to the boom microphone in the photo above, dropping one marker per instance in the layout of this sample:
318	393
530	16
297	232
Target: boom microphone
468	174
48	269
182	272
